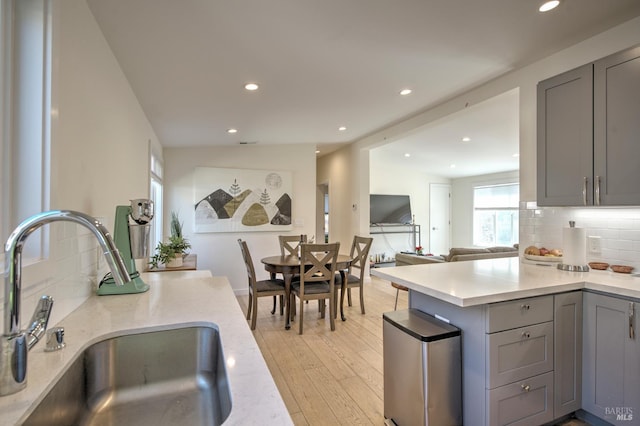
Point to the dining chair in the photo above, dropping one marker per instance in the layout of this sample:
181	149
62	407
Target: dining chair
260	288
290	244
317	278
355	273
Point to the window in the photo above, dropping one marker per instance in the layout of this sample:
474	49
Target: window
25	58
156	196
495	215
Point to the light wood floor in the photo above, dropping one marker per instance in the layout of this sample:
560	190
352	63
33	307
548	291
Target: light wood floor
329	377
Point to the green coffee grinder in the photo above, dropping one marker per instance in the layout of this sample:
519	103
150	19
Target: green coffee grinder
132	240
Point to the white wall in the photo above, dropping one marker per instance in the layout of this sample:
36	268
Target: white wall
462	204
385	178
219	252
99	156
342	172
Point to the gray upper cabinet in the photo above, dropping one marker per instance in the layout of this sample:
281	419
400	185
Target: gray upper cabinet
565	138
616	128
589	134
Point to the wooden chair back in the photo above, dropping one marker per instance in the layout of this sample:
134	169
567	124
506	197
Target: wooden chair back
248	262
318	263
290	244
360	254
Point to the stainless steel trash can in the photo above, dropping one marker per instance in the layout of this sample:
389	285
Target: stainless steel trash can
422	370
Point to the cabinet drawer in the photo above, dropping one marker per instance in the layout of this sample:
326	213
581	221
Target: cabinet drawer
526	402
516	354
518	313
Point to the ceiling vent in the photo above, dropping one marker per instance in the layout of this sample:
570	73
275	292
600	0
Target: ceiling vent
248	142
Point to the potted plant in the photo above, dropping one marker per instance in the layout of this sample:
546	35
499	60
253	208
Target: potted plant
172	252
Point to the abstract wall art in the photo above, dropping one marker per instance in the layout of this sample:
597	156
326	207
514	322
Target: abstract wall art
239	200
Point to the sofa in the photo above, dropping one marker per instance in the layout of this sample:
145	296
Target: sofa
458	254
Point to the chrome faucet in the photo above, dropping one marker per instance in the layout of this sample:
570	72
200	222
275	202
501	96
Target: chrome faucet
15	343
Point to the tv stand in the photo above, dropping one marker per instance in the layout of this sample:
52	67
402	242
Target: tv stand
398	228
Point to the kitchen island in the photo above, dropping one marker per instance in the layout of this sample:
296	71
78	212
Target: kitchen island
537	343
175	299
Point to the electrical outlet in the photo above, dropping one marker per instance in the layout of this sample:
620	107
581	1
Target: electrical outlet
595	245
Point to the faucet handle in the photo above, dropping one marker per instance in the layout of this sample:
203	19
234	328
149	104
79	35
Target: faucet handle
39	320
55	339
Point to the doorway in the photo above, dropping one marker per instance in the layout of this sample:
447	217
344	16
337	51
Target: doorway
439	218
322	213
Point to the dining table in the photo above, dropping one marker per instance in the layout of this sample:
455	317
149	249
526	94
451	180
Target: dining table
289	266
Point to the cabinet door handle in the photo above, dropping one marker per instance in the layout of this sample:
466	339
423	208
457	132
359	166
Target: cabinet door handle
525	388
524	307
526	335
585	181
632	313
597	196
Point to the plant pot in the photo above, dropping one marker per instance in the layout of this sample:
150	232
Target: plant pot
176	262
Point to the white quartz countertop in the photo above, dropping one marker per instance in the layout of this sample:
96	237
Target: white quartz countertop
175	299
478	282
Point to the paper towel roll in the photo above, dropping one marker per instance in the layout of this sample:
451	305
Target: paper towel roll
574	241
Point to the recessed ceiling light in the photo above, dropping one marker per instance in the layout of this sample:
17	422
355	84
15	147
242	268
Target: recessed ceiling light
342	128
407	155
405	92
516	155
317	151
466	139
453	166
251	86
232	130
548	5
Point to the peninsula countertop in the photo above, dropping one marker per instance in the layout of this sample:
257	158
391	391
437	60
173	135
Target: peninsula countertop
478	282
175	299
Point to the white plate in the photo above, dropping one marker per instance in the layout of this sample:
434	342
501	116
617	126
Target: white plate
543	258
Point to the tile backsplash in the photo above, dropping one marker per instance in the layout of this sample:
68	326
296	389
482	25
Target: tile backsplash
69	274
618	229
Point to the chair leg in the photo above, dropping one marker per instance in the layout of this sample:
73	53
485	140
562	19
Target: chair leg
281	305
321	307
395	307
332	314
273	311
254	316
301	316
349	296
249	306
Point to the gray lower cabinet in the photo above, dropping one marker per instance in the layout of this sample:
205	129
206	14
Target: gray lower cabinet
611	366
588	134
567	353
519	362
541	358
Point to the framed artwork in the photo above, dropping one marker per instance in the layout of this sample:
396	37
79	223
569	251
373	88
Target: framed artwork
240	200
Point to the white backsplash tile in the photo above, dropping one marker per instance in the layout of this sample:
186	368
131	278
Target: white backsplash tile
70	270
619	230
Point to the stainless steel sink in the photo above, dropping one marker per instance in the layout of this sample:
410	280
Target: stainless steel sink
172	377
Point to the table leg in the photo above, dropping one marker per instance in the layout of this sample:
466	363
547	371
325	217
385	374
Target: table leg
273	311
343	289
287	298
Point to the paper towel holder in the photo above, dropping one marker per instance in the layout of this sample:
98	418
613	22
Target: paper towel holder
573	268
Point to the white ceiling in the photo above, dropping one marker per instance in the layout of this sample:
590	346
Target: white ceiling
439	149
322	64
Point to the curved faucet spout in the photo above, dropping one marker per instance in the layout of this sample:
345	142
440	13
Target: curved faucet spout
12	374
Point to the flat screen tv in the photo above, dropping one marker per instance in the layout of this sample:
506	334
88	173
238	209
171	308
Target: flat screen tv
389	209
